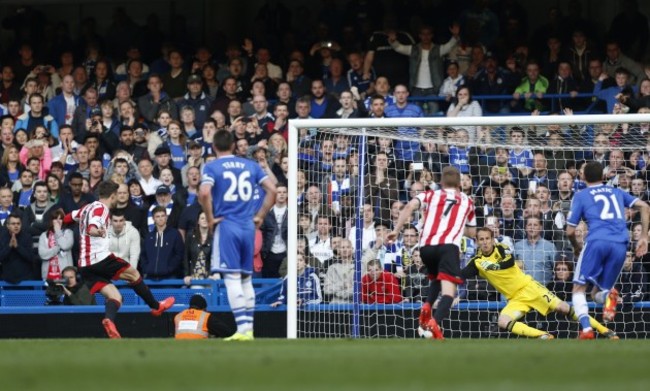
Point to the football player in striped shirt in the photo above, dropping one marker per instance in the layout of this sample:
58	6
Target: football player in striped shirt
448	215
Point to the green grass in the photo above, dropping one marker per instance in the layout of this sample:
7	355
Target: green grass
396	365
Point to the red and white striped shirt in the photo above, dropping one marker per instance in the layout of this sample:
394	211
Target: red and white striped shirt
446	213
92	249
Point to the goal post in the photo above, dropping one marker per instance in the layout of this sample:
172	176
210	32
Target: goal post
357	315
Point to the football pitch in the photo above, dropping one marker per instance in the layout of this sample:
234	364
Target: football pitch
275	364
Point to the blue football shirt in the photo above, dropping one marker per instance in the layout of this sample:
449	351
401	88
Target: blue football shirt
235	182
603	209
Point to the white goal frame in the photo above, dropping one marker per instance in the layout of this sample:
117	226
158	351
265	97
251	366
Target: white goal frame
362	123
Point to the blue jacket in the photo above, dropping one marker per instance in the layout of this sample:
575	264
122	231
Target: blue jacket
162	255
308	288
201	106
23	122
58	108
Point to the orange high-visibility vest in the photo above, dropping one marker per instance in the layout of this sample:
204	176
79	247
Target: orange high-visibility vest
191	324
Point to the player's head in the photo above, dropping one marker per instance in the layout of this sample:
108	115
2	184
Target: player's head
450	177
107	190
593	172
223	141
485	239
198	302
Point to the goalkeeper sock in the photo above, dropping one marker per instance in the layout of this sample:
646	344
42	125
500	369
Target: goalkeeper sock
593	322
112	306
601	296
581	310
249	296
444	306
434	291
524	330
141	289
236	300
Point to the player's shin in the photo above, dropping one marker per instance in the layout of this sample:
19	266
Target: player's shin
524	330
249	296
141	289
444	306
593	322
112	306
581	310
236	300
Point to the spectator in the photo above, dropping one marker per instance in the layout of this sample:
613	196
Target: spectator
37	116
198	252
16	258
24	189
563	83
132	213
109	119
156	100
379	286
562	284
75	199
404	150
308	285
102	81
34	215
274	231
580	54
615	59
351	106
336	82
6	204
611	94
536	253
299	83
86	109
173	209
425	75
229	94
452	82
209	75
367	231
532	89
464	106
55	247
175	81
356	75
122	94
322	104
10	167
381	188
162	255
63	106
417	280
124	237
320	245
9	89
196	99
382	90
339	279
75	292
163	160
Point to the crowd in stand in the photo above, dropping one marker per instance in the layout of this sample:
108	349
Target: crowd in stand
78	112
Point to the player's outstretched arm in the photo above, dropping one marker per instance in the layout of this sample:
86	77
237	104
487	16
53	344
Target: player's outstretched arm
642	243
404	216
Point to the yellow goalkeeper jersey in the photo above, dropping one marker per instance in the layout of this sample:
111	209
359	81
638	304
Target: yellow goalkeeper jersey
507	279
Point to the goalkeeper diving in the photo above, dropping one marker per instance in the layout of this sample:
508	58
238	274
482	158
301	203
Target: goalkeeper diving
494	262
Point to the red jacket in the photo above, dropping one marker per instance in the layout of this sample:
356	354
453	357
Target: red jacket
385	290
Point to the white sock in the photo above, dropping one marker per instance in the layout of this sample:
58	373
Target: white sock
601	296
236	299
581	309
249	296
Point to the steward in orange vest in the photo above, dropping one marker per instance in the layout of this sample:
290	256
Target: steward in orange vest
195	322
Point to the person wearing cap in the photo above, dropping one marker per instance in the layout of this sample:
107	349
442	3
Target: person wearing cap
196	99
164	160
197	323
173	209
195	159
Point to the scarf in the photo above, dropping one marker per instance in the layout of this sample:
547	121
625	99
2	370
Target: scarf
336	190
53	267
137	200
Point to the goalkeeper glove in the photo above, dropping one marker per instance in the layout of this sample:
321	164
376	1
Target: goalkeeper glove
487	265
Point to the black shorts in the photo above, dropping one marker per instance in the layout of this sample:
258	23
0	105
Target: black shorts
100	274
442	262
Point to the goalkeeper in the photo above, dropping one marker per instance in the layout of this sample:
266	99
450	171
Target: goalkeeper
495	263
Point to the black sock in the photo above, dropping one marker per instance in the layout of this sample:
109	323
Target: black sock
444	306
142	290
112	306
434	291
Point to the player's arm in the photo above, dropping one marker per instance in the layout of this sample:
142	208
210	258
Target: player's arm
642	243
269	201
205	200
404	216
572	222
470	270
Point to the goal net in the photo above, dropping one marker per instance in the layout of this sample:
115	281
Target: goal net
352	177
